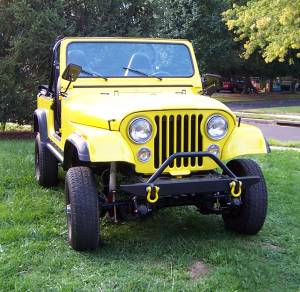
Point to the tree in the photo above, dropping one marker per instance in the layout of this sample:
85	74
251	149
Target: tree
271	27
28	29
109	17
201	22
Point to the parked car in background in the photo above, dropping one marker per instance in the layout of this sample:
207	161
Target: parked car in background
238	86
233	86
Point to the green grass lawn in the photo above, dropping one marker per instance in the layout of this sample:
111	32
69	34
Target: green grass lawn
236	97
263	116
293	110
155	254
293	144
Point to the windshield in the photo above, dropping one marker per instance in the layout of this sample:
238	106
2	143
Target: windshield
129	59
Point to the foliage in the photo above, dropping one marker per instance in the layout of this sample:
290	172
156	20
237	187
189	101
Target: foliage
201	22
27	38
28	29
272	27
7	91
109	18
145	255
216	51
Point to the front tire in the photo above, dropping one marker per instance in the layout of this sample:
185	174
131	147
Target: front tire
46	165
82	209
251	216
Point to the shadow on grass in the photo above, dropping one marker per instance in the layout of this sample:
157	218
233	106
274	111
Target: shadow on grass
177	234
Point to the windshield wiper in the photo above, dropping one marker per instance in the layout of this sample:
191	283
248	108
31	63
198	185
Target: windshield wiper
93	74
141	72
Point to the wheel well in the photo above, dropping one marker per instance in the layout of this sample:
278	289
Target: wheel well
35	124
70	156
40	124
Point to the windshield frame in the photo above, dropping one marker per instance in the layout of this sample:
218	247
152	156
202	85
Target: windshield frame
138	42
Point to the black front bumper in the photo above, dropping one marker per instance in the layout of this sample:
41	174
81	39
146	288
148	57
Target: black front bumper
208	184
174	187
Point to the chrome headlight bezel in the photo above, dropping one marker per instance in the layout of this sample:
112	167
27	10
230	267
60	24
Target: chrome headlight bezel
209	121
130	127
144	150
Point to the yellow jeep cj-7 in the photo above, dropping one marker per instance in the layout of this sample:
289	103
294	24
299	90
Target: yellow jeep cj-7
130	121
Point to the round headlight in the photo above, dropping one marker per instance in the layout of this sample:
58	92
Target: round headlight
216	127
144	154
214	149
140	130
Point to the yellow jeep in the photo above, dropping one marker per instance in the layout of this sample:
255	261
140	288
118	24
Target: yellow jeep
131	123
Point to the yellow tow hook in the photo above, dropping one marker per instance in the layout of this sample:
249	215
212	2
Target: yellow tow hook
152	194
233	187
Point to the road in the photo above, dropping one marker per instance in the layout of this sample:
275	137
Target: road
274	131
270	129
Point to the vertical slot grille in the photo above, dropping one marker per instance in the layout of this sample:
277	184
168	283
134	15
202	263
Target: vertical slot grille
177	133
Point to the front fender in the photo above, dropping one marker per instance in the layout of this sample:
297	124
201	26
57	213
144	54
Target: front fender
246	139
104	145
80	145
40	124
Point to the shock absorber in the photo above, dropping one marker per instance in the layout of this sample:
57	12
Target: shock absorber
113	187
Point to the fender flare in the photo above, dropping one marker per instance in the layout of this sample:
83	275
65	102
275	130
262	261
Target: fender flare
80	145
40	124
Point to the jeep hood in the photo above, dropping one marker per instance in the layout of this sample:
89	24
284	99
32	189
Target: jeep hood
98	110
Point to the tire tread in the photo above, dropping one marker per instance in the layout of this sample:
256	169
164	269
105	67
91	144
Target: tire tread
255	200
48	165
83	197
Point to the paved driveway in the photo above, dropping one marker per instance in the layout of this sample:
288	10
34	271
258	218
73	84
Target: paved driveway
270	130
282	133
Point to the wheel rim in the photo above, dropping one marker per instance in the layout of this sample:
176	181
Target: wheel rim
69	216
69	221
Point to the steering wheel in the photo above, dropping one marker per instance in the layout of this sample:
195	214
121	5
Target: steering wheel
161	73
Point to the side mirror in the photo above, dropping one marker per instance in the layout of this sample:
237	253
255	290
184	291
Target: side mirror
211	83
72	72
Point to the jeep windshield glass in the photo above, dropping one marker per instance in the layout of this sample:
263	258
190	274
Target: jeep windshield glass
141	73
112	59
92	74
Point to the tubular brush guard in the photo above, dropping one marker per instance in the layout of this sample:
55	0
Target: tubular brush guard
173	187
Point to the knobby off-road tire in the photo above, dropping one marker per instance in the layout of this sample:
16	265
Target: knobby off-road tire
250	218
46	164
82	209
